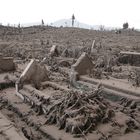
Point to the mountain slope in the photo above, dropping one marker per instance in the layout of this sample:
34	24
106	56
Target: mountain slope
68	23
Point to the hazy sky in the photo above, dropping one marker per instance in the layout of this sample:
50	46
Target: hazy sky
93	12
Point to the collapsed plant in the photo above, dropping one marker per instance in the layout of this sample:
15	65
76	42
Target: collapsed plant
78	113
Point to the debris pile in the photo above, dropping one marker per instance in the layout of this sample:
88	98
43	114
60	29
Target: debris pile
78	113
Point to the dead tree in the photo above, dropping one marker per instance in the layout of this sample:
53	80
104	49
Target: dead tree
42	22
73	18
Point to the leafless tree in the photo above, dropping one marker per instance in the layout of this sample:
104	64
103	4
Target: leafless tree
73	18
42	22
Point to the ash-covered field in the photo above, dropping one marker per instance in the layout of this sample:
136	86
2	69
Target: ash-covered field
69	83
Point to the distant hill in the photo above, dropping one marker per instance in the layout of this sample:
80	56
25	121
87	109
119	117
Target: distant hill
31	24
67	23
